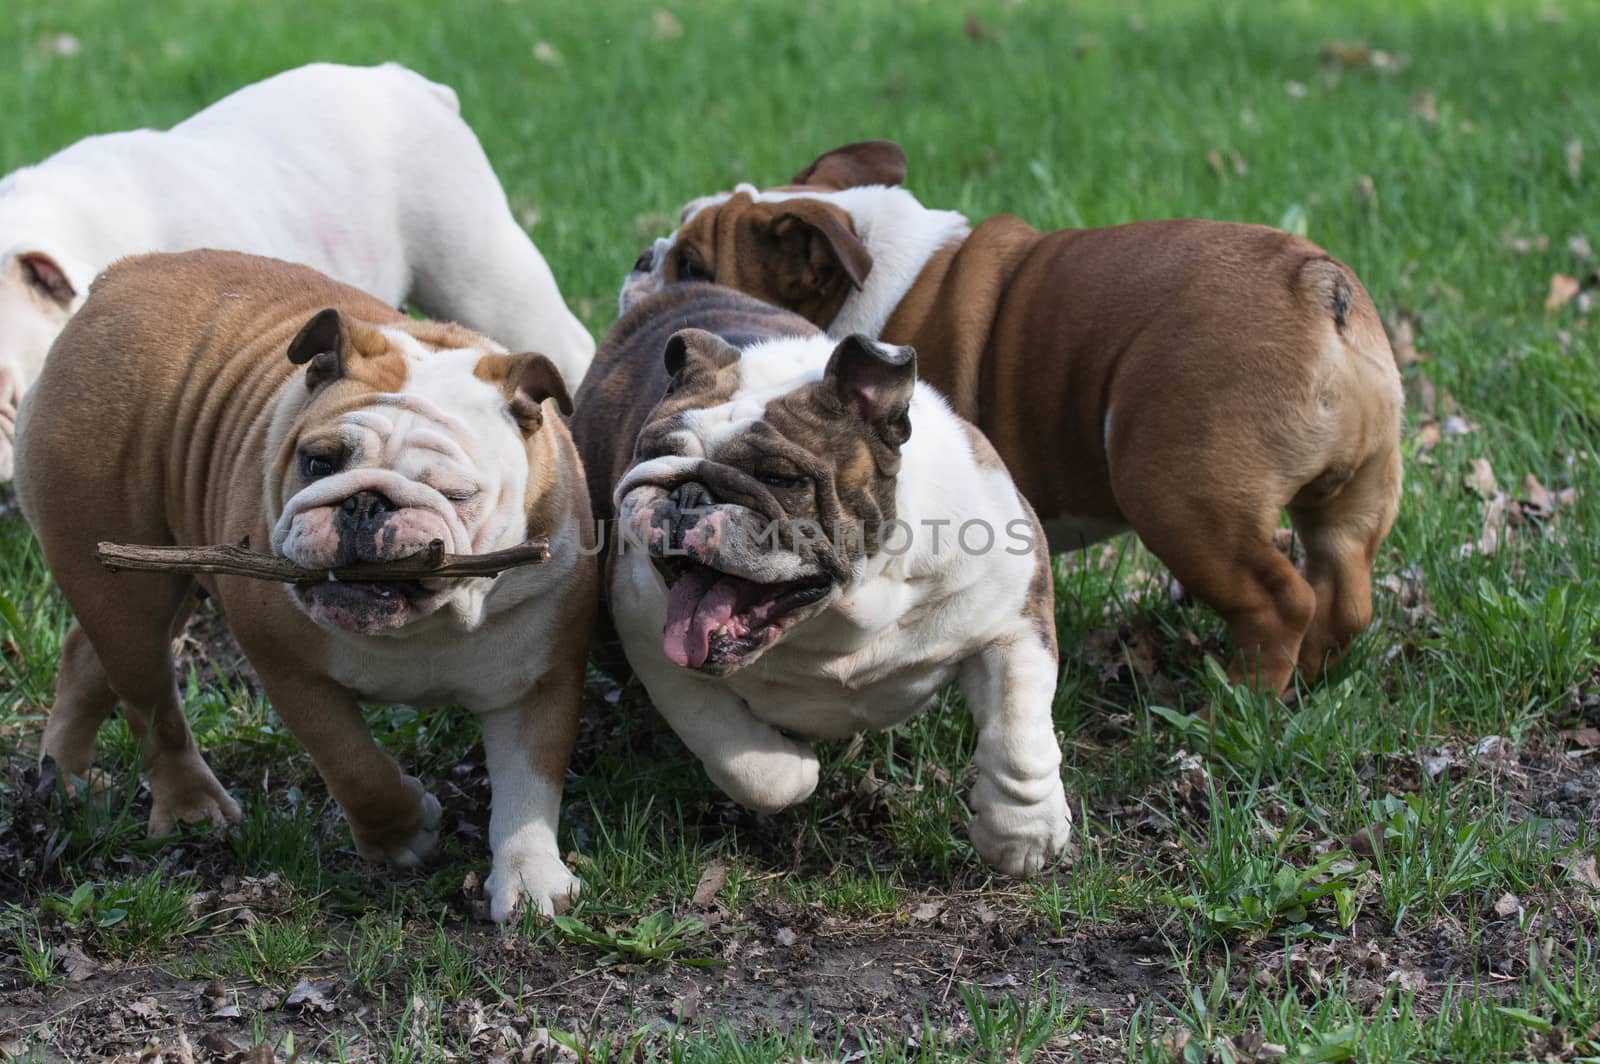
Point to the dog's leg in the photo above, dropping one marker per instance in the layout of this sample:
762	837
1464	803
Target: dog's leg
1341	537
527	748
122	646
392	817
749	760
1020	814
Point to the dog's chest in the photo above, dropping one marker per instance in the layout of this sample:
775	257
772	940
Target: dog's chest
490	668
828	680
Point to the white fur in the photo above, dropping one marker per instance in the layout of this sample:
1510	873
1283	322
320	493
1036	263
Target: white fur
898	231
904	626
368	174
488	647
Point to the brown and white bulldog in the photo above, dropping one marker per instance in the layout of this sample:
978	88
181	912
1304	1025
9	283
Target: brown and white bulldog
809	544
1184	379
211	396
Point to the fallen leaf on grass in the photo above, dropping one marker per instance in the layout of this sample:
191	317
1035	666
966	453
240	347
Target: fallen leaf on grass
1587	737
1562	288
77	964
1481	479
667	25
1409	980
1402	335
1583	870
785	937
311	997
1425	106
1574	153
1578	245
711	881
927	912
972	26
1507	905
546	53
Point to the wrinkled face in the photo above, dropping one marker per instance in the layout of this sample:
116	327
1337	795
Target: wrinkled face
794	245
402	445
760	480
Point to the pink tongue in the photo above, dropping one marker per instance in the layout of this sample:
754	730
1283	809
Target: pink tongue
697	605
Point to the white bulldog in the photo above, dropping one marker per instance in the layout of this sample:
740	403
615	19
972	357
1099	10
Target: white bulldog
367	174
811	544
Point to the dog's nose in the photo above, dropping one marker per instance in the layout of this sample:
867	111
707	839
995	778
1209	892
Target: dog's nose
363	506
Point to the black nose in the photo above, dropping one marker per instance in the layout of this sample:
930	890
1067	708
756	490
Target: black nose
363	506
645	261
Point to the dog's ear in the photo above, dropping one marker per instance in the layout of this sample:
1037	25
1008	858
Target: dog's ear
44	275
817	239
688	345
866	162
323	343
527	380
875	381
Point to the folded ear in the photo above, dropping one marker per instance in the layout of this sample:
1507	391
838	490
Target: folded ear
687	344
527	380
866	162
45	275
876	382
323	343
819	235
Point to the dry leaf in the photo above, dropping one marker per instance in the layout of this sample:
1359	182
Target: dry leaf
77	964
1367	190
1583	870
546	53
1428	435
1562	289
1425	106
1402	337
785	937
973	28
1575	158
927	912
711	881
1294	88
1579	247
310	997
1507	905
1587	737
1346	53
1481	479
667	25
1411	980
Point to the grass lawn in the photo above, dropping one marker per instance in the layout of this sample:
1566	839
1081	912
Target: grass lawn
1398	864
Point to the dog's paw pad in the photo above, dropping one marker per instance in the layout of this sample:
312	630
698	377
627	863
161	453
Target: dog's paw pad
539	879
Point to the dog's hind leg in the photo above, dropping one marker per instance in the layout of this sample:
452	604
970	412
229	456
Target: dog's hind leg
121	648
1341	532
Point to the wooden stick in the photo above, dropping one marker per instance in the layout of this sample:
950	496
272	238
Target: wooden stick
239	560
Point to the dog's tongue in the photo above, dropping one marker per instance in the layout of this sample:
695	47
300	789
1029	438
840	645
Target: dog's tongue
697	605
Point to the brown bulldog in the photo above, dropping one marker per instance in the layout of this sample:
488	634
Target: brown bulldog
809	544
211	396
1184	379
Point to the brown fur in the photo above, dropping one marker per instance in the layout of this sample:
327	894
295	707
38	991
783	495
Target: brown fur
150	425
1244	371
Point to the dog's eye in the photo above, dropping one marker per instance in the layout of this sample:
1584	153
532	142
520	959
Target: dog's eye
460	494
690	269
646	261
780	481
317	466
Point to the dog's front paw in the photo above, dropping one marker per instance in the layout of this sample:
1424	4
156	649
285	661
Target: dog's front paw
768	780
187	793
1019	839
538	878
405	847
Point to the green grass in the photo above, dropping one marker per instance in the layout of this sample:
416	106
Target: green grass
1226	869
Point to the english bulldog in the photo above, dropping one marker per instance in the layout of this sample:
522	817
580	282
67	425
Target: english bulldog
367	174
209	396
810	544
1185	379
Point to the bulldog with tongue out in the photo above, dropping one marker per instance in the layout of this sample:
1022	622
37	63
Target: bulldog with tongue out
810	544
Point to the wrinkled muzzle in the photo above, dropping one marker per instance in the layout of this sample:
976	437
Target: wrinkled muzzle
367	515
738	573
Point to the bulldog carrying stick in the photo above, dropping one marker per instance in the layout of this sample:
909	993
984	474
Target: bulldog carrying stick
1184	379
809	545
212	397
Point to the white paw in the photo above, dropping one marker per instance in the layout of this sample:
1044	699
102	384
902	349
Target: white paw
539	878
768	780
1019	839
411	850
